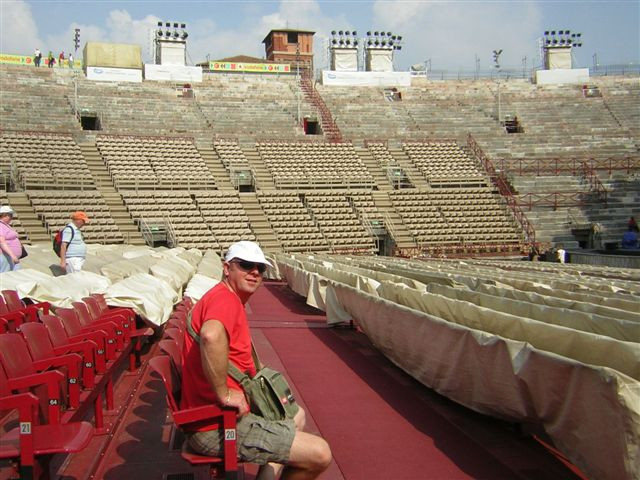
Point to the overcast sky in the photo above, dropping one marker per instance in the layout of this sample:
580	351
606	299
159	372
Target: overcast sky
449	33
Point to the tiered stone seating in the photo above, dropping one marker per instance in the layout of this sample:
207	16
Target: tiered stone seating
251	107
33	100
175	211
315	165
455	216
338	221
55	208
291	222
147	108
44	160
225	216
444	162
154	162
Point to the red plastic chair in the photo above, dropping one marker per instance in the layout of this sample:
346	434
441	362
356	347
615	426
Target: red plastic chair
41	347
17	362
106	340
15	304
31	441
46	386
170	347
113	326
184	419
11	321
60	338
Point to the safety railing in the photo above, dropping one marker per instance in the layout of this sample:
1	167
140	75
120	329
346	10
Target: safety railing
499	181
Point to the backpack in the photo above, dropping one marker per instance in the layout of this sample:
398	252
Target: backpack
57	240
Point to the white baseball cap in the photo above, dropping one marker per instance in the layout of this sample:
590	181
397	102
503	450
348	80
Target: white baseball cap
245	250
6	209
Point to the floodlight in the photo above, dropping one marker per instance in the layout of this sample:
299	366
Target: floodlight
546	32
354	33
333	32
175	25
567	32
383	43
399	37
176	34
159	24
334	41
369	33
388	34
376	33
159	33
184	35
376	43
399	47
355	42
167	24
183	25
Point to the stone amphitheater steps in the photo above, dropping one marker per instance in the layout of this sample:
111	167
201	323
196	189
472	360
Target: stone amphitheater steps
399	232
374	168
112	198
212	161
263	178
259	223
33	226
413	174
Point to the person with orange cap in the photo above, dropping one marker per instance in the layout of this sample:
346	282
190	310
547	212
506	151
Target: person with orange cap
73	250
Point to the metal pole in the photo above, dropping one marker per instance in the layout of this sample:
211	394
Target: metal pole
298	78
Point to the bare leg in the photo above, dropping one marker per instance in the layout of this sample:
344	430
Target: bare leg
310	456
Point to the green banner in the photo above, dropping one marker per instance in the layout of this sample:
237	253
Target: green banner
250	67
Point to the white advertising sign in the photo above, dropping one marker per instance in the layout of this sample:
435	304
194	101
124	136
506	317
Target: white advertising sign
108	74
173	73
366	79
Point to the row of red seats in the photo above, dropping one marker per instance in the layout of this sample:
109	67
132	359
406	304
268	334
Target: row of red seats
61	364
169	367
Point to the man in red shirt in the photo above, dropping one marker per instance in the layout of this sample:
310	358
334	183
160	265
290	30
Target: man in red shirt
221	322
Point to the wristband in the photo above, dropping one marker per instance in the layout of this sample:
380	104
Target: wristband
228	399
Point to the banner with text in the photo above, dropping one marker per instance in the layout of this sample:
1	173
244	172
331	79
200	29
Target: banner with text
250	67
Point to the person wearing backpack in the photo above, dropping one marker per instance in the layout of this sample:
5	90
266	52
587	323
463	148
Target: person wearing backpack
73	250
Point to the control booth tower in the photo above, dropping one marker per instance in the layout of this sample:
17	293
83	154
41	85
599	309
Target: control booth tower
290	46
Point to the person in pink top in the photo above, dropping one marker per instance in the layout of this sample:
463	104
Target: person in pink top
10	245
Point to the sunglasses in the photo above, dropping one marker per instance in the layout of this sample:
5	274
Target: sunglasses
249	266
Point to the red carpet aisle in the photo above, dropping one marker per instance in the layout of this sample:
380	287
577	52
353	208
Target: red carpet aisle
379	422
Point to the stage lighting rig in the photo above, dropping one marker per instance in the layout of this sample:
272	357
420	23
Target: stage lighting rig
561	38
344	39
174	31
383	40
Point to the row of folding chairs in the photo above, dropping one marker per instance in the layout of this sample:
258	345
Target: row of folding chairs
169	366
61	362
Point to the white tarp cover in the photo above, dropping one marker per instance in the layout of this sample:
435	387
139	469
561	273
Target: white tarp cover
344	59
379	60
148	280
544	366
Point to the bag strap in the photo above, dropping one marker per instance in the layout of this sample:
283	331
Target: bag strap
232	370
73	233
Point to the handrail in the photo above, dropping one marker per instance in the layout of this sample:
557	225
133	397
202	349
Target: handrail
329	126
552	199
498	179
569	165
595	185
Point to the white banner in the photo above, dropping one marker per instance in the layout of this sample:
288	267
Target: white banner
108	74
173	73
367	79
560	75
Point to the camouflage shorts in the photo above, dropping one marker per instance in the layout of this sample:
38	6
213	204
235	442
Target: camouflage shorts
259	441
